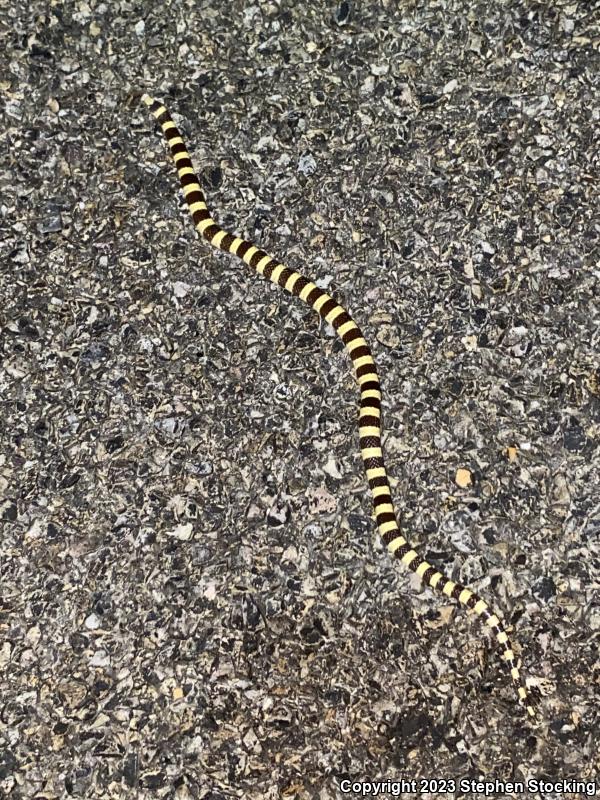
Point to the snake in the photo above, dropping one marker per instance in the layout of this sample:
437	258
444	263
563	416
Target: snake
369	419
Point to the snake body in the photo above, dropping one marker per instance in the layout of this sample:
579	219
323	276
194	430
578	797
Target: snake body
369	421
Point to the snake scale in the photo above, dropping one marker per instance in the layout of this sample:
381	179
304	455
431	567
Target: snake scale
369	421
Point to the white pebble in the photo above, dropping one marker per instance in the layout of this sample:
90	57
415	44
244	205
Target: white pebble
92	622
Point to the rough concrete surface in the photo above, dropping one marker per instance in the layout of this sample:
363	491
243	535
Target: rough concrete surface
194	603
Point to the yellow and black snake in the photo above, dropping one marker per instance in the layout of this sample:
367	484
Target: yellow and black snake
369	421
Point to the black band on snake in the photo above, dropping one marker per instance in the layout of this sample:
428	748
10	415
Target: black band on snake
369	420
